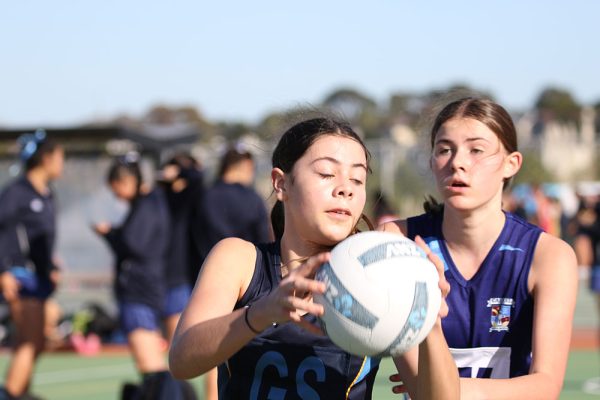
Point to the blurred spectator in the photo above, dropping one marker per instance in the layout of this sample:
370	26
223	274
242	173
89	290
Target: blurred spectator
140	245
231	207
28	271
181	177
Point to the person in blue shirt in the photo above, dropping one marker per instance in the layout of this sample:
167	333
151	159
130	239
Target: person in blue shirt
28	274
513	286
140	246
251	311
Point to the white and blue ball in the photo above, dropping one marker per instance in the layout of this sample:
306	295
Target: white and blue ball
382	296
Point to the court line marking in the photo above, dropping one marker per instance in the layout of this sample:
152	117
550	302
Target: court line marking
591	386
83	374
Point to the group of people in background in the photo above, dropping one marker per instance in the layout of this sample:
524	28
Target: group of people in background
158	250
202	269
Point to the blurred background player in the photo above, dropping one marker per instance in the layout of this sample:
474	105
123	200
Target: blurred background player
27	236
181	178
140	246
231	207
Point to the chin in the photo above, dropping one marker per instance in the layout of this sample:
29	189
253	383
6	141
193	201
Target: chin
332	238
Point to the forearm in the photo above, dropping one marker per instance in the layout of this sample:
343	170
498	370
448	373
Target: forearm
438	376
532	387
207	344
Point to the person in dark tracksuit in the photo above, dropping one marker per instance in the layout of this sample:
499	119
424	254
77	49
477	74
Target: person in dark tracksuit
140	247
28	275
251	311
231	207
182	180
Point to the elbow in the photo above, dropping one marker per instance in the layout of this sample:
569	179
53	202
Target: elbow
183	367
177	366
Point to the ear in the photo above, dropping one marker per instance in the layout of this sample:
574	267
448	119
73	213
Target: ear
512	164
278	181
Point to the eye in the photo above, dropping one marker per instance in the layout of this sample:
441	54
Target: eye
358	182
477	151
325	176
441	151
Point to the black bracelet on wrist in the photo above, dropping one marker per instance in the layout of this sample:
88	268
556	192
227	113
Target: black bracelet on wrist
248	321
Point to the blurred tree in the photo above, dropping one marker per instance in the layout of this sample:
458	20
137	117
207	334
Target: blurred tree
160	114
358	108
165	115
556	104
232	130
271	126
349	102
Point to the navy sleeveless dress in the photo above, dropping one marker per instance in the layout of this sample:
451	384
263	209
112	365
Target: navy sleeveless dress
286	362
489	324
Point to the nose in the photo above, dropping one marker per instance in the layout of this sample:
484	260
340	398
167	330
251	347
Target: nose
343	189
460	161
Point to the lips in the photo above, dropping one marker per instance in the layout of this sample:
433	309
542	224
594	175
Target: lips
456	182
340	211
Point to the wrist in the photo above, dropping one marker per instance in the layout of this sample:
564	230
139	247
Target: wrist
251	322
255	319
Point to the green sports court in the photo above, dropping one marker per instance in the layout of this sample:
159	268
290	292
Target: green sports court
67	376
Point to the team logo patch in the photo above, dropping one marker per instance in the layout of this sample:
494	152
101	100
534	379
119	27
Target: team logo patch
36	205
500	313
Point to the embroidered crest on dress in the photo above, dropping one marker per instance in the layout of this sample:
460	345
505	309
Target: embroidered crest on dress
500	313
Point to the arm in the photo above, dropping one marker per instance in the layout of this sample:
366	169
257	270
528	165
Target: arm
429	370
9	216
142	232
10	207
210	331
553	282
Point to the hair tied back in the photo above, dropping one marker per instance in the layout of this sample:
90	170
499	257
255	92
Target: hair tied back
29	143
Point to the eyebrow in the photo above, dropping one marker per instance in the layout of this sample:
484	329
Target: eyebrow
468	140
335	161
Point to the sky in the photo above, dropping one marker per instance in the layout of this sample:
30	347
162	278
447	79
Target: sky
66	62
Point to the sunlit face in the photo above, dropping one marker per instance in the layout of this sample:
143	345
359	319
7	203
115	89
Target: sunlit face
470	164
125	188
53	163
325	194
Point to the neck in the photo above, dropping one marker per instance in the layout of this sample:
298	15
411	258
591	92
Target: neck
235	176
472	229
38	179
294	250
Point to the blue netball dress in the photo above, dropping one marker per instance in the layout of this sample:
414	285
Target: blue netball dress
288	363
489	324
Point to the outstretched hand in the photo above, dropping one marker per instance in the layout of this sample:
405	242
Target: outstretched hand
293	297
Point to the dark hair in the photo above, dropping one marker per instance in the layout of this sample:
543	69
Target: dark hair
33	147
489	113
183	161
126	165
292	146
233	156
